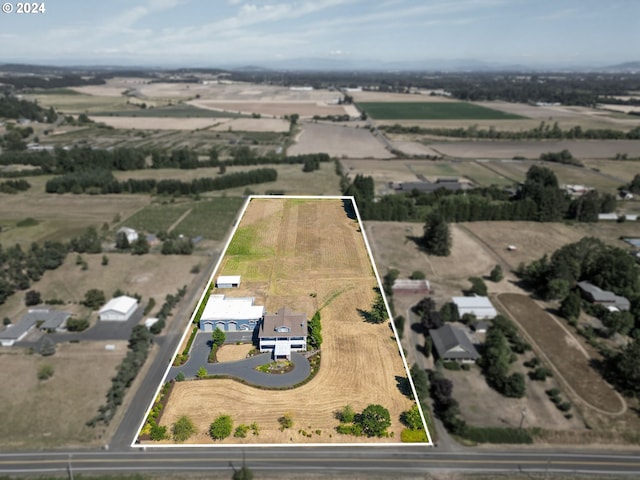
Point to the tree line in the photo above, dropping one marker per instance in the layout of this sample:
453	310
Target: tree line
104	182
538	199
544	131
13	107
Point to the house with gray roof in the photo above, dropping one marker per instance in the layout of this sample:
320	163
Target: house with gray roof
283	332
605	298
453	344
42	318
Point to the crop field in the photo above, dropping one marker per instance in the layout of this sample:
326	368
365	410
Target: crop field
271	109
210	219
565	353
308	255
157	217
624	170
581	149
82	375
338	141
60	217
174	111
75	103
432	110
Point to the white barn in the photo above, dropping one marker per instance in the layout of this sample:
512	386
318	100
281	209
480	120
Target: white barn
131	234
119	309
228	281
481	307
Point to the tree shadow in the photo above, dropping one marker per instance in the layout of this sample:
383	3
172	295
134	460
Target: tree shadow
404	386
367	316
418	328
349	209
416	240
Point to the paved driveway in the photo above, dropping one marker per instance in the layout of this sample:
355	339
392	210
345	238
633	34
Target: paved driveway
242	369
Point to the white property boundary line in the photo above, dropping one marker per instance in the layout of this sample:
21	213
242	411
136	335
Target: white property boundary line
206	289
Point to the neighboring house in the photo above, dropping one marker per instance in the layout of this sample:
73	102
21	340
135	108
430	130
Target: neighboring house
131	234
407	287
230	314
453	344
283	332
481	307
119	309
228	281
42	318
481	327
603	297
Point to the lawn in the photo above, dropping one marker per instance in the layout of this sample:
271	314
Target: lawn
432	111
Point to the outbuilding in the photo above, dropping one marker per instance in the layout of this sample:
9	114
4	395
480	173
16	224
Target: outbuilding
119	309
453	344
480	307
228	281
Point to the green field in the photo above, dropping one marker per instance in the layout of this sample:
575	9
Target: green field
432	111
157	217
210	219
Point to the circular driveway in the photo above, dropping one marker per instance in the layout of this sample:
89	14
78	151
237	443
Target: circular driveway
241	369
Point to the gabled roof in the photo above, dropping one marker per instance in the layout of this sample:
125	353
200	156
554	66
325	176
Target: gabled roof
604	296
228	279
220	307
453	343
284	323
52	318
119	304
472	302
13	332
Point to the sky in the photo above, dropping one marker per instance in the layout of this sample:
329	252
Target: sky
357	33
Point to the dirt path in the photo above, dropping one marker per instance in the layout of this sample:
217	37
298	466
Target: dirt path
177	222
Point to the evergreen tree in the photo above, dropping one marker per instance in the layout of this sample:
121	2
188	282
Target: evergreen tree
437	237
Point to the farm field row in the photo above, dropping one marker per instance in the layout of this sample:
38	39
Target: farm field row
306	254
432	111
338	141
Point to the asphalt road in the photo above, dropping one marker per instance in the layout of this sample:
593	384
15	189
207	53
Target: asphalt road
296	460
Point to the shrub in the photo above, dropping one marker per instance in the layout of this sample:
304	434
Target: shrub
553	392
45	372
451	365
157	432
221	427
496	274
241	431
183	429
285	421
374	420
540	374
564	406
180	377
347	414
77	324
409	435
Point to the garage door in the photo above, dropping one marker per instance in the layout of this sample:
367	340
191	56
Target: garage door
208	327
232	326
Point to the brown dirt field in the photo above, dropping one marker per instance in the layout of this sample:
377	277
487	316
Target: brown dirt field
305	247
52	413
564	351
338	141
275	109
470	389
231	353
156	123
61	217
251	125
448	275
398	97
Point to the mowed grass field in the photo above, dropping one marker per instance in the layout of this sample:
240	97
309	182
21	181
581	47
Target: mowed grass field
307	255
432	111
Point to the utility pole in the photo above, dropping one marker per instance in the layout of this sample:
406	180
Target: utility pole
69	470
